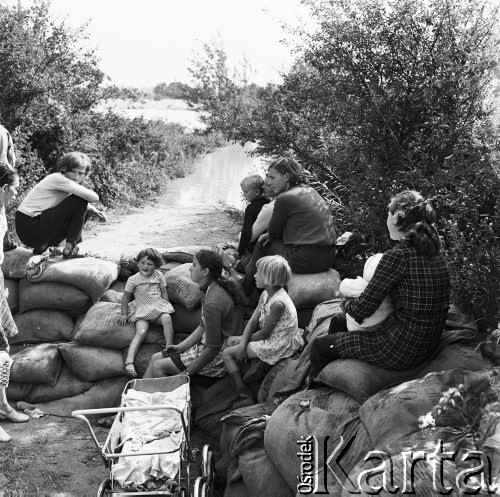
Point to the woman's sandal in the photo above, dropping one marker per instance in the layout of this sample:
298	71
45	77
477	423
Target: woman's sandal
130	370
4	436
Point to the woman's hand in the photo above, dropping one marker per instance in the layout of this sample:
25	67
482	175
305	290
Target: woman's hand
241	353
93	211
233	341
228	261
123	320
264	239
171	350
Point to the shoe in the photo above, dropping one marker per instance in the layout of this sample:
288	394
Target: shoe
130	370
14	416
4	436
73	255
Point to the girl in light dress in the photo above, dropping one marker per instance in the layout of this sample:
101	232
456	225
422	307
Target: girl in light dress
9	183
150	304
272	333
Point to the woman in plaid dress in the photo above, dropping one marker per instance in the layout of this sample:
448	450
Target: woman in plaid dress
415	276
9	183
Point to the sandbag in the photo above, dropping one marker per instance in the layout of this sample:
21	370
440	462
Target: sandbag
236	489
165	268
183	254
181	288
105	393
12	294
421	483
277	377
117	286
184	321
393	414
92	363
52	296
67	385
318	413
362	380
37	364
211	399
100	328
18	391
308	290
14	262
232	426
304	316
141	361
43	325
111	296
260	475
92	276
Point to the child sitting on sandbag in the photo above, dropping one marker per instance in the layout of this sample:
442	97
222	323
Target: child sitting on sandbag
272	333
150	304
353	288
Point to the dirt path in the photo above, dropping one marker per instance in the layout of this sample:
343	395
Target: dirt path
55	455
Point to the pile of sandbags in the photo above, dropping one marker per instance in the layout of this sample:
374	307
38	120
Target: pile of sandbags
70	350
351	407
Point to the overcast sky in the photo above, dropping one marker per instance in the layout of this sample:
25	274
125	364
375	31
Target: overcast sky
142	43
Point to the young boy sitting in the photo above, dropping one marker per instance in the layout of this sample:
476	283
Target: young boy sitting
251	186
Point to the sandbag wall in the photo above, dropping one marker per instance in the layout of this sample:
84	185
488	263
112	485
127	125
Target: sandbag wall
69	353
355	402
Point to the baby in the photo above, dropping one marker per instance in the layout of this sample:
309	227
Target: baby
352	288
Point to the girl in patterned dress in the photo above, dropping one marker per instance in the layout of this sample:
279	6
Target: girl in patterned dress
272	333
9	183
200	352
150	304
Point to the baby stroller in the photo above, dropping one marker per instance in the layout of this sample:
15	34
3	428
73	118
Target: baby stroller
148	450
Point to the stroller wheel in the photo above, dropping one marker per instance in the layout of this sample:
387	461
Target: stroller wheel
208	465
104	488
200	487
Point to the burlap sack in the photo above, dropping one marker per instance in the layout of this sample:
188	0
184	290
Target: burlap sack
52	296
165	268
18	391
185	321
92	276
362	380
260	476
100	328
36	364
14	263
118	286
105	393
183	254
66	385
111	296
308	290
92	363
12	293
181	288
43	325
394	414
317	413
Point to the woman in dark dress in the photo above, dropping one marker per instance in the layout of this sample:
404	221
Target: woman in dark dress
301	227
415	276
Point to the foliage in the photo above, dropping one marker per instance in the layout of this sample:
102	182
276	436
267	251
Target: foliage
172	90
225	96
384	96
50	84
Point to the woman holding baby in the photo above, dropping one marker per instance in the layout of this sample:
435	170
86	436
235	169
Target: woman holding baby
414	276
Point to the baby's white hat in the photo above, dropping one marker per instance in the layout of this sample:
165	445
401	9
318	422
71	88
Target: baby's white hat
370	266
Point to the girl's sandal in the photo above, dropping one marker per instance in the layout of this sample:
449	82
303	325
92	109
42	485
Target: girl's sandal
130	370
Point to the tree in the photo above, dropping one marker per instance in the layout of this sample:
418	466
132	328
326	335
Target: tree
225	97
